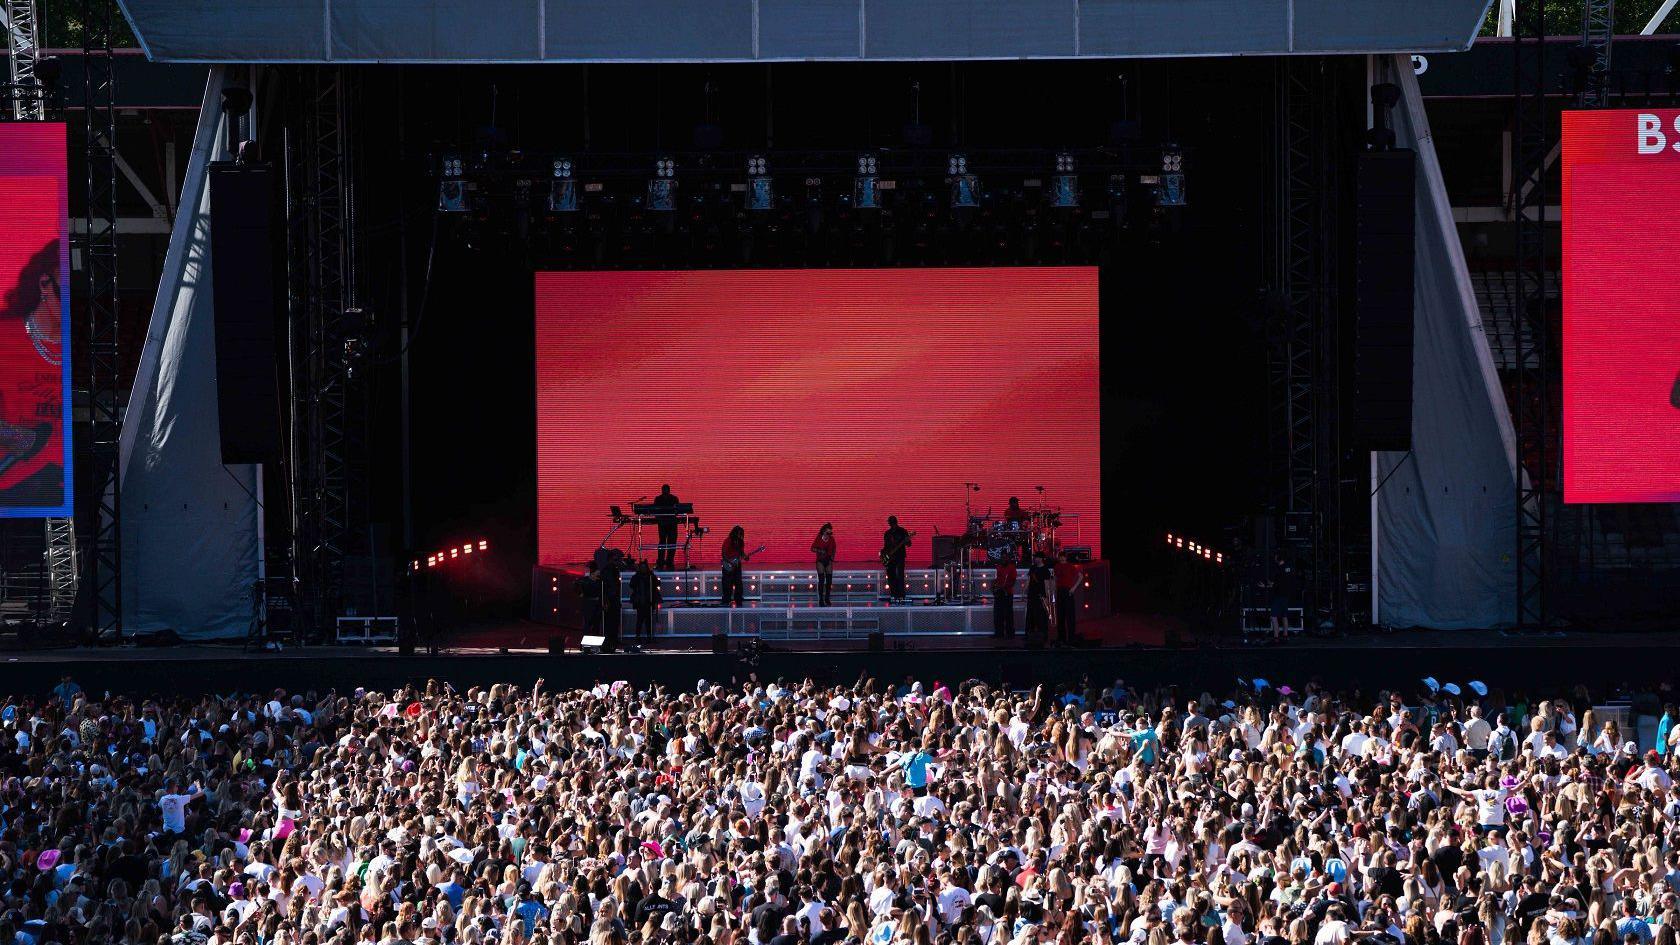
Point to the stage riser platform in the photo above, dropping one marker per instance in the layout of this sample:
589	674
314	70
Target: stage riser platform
554	601
822	623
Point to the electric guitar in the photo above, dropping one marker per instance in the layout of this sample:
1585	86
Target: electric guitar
733	565
893	549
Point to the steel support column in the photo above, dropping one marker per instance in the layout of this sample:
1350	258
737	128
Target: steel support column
1304	332
1532	140
99	271
323	302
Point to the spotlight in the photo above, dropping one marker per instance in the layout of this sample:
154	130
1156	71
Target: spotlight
1064	186
760	194
562	189
866	191
1171	191
965	187
452	190
660	192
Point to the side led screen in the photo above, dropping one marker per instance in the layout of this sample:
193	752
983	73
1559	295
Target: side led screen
34	322
1621	306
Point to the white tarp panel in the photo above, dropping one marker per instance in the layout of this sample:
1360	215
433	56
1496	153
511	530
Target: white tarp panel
189	524
1446	514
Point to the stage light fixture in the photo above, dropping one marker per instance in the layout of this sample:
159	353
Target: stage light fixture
661	189
1064	186
760	192
965	187
452	190
1170	193
562	189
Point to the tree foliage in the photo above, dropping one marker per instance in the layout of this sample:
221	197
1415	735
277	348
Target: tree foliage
1563	17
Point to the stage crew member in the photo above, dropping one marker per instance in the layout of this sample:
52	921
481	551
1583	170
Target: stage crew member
1067	581
823	547
1039	580
734	559
589	594
667	522
1003	600
612	601
895	547
645	597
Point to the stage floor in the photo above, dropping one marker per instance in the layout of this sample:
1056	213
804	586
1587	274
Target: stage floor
517	652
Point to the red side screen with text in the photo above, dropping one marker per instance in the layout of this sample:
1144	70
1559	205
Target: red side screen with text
782	399
1621	306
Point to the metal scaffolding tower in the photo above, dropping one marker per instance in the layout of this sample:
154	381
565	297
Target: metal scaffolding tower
23	47
1533	139
1304	364
98	245
324	315
1598	30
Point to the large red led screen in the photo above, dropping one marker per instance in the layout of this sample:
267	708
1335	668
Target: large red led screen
1621	306
34	322
779	400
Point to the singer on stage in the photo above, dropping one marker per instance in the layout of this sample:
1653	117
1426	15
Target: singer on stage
823	547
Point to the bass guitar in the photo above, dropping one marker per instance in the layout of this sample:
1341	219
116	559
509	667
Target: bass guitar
888	552
733	565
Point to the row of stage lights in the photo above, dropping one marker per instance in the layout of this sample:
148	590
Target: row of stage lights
760	193
452	553
1194	548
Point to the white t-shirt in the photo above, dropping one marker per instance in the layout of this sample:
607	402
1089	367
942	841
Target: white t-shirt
1490	807
174	807
1332	933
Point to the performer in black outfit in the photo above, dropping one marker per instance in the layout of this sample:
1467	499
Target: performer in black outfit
895	545
732	559
612	602
1039	580
644	597
589	592
667	521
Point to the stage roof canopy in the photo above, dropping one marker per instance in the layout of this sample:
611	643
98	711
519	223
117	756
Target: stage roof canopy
462	31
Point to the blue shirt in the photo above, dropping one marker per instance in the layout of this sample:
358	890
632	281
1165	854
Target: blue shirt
916	769
529	912
454	892
1633	925
1144	744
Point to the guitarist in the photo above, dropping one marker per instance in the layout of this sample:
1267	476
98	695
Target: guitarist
824	547
734	557
895	547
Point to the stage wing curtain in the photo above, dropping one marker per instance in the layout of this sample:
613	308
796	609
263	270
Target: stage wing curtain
1446	511
189	524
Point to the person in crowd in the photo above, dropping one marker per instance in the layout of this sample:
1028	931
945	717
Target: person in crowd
924	812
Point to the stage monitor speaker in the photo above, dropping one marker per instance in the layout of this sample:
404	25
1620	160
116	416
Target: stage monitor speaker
877	641
720	644
556	646
944	550
1384	263
242	267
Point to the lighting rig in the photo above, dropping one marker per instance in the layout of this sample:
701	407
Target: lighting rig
885	206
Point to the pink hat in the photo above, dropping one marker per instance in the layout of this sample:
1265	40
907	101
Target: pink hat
48	859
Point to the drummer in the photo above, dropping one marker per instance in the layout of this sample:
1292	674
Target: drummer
1018	520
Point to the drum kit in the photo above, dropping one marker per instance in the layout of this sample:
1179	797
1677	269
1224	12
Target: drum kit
989	540
994	540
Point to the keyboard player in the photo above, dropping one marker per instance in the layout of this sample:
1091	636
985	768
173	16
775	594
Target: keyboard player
666	518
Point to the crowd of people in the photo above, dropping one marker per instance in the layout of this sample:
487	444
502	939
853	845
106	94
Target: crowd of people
792	813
